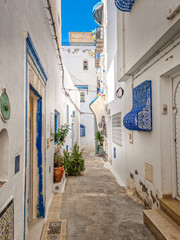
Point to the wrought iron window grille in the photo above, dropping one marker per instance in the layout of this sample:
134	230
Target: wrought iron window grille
140	117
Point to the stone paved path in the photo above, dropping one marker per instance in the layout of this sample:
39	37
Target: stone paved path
97	208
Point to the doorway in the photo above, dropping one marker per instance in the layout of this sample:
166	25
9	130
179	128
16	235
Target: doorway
176	129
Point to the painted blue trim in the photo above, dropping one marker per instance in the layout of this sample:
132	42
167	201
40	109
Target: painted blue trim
24	235
40	206
56	122
93	101
34	91
98	90
32	51
84	87
114	152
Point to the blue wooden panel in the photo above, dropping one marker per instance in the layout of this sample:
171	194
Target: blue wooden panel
140	117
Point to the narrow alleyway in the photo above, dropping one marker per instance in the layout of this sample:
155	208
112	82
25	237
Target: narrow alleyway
97	208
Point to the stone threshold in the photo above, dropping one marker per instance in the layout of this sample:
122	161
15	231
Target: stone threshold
54	228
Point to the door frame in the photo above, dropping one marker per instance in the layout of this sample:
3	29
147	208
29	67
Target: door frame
174	168
31	52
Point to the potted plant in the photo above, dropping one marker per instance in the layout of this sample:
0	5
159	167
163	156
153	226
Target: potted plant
58	167
100	140
60	138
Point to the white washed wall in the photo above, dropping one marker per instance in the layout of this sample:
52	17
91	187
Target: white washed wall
73	57
15	18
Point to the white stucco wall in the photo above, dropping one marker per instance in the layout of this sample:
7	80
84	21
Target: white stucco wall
73	57
16	18
144	26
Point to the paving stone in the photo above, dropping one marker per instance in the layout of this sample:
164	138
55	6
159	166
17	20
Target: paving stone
97	208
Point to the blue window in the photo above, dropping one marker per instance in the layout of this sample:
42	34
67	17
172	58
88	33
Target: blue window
17	164
82	130
55	123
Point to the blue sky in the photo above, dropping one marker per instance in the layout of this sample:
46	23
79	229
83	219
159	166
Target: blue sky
76	16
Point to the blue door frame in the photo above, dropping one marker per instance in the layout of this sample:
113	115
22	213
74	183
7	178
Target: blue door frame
30	49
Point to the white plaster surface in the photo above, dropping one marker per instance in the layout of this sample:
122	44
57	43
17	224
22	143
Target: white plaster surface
17	18
73	57
143	27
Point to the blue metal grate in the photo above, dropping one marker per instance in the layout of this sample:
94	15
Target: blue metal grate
140	117
124	5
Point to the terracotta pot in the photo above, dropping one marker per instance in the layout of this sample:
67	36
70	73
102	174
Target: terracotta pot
58	174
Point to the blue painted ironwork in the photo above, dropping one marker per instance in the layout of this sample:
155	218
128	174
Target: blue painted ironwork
140	117
82	130
97	12
124	5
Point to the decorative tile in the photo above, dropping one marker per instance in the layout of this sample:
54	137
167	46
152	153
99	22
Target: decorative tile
54	227
53	237
7	222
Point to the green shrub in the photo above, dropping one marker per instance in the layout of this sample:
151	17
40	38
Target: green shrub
74	162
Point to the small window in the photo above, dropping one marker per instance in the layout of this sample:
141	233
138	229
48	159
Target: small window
82	130
85	65
116	129
56	121
82	97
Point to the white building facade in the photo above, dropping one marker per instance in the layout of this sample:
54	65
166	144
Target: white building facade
31	99
142	49
80	65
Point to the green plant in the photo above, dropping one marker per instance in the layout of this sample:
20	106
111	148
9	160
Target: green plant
100	139
58	160
61	135
74	162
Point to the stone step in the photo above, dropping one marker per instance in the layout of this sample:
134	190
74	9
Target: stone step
172	208
161	226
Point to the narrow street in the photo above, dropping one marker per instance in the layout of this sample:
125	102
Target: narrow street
97	208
